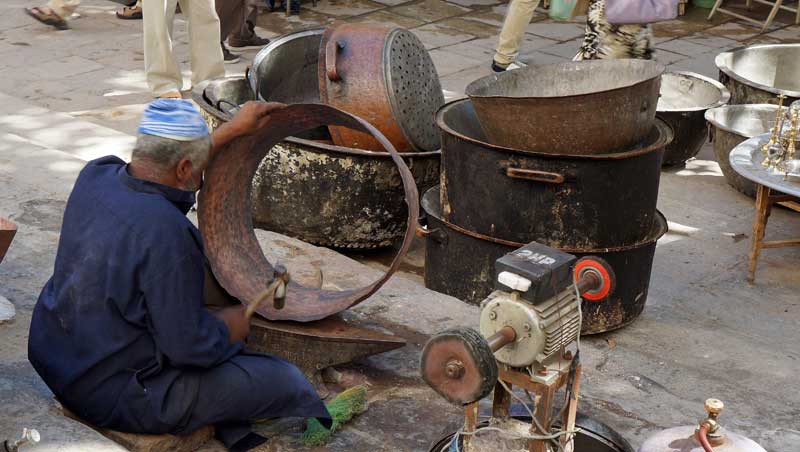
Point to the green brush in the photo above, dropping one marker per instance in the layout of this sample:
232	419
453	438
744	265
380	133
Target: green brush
342	408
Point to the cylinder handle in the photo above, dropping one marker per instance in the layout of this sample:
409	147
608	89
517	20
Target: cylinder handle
535	175
331	52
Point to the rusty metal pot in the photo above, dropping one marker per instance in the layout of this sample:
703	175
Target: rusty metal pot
730	126
685	97
226	222
8	229
759	74
586	107
460	263
385	76
567	201
320	193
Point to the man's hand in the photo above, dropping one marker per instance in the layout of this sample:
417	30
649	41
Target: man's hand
252	117
236	321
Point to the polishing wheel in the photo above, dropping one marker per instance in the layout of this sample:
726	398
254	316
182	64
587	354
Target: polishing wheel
459	365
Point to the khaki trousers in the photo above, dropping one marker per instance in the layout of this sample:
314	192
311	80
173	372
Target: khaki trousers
205	54
519	15
63	8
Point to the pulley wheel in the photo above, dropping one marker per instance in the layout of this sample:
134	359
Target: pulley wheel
459	365
600	269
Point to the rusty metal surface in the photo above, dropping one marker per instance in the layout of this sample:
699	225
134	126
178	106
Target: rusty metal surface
356	200
316	345
7	231
758	74
587	107
462	265
685	97
585	202
358	73
459	365
224	212
733	124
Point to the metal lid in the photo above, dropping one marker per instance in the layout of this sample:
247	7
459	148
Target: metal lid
415	92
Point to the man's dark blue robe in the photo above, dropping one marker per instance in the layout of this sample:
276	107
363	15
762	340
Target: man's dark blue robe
120	333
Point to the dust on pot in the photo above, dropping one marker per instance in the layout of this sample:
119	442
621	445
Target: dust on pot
460	263
685	97
559	200
320	193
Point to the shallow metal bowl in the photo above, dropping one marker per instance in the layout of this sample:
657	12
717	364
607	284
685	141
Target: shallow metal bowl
733	124
758	74
685	97
587	107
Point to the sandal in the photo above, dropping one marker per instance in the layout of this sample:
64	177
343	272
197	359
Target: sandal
130	13
47	18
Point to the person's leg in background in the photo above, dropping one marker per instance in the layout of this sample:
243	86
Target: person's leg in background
131	11
245	37
231	17
162	71
519	15
205	52
55	13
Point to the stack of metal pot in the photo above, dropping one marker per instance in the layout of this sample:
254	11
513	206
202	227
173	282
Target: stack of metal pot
566	155
332	186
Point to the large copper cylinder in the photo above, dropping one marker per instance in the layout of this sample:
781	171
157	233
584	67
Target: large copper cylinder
385	76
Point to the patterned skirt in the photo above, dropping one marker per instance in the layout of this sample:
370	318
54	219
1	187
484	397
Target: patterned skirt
603	40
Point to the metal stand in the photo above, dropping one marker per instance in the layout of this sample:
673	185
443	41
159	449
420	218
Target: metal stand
764	202
776	6
544	388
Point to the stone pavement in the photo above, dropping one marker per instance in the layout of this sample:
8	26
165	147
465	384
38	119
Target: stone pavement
71	96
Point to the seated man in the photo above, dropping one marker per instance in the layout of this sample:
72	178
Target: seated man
120	333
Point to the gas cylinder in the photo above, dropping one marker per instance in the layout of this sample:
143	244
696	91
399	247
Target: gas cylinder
688	438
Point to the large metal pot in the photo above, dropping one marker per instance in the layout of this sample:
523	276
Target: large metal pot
594	436
321	193
567	201
759	74
733	124
460	263
685	97
385	76
586	107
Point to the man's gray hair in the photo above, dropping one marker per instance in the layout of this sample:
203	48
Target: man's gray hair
166	153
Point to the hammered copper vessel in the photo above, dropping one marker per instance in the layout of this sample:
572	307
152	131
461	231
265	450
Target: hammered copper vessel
385	76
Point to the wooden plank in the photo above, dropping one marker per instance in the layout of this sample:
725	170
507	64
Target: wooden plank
759	226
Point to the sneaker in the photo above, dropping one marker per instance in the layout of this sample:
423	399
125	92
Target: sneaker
228	57
497	68
254	42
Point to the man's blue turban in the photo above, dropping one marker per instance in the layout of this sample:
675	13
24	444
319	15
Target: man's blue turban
176	119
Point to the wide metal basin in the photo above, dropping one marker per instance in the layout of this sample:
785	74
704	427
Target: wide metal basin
8	229
320	193
286	69
586	107
733	124
685	97
559	200
759	74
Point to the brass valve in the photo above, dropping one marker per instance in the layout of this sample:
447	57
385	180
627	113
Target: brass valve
713	408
